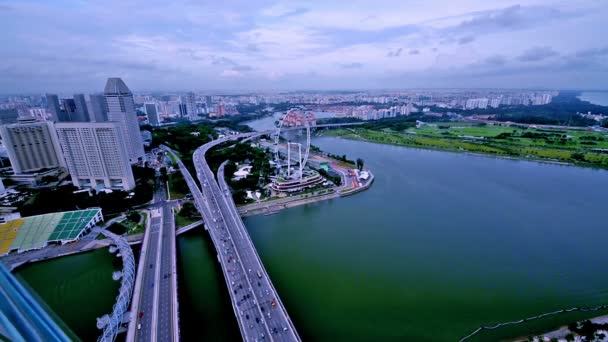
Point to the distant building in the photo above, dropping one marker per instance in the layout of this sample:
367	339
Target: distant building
208	103
189	100
99	108
296	117
52	102
183	112
96	154
152	113
32	145
8	116
68	113
220	110
82	112
121	109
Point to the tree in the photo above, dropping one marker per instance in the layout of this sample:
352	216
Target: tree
163	174
359	164
133	216
49	179
188	210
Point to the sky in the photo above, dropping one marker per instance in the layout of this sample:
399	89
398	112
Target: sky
258	45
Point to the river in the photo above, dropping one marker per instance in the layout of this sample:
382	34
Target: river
439	245
595	97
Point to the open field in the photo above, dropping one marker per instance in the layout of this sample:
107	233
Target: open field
557	145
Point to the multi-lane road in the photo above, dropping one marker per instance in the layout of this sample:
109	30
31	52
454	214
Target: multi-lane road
154	310
259	311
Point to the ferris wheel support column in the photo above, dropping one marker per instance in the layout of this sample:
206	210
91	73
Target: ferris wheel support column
288	158
300	160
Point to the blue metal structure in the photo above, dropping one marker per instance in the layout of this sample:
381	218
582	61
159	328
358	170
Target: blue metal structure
21	316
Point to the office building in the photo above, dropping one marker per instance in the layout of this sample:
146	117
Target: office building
31	145
8	116
152	113
68	112
183	112
98	108
82	112
121	109
96	155
52	102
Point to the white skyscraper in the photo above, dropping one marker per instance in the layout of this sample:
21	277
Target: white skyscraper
96	155
121	109
31	145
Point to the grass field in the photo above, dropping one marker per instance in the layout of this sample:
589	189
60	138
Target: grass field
570	146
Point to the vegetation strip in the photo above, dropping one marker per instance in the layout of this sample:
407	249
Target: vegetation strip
492	327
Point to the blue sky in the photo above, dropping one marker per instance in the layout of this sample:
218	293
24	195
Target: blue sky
74	45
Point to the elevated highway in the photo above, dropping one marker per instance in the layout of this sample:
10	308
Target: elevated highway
260	314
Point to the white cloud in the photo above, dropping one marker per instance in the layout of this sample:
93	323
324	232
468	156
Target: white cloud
310	43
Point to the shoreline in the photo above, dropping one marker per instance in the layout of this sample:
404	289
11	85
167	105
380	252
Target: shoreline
537	160
562	331
15	261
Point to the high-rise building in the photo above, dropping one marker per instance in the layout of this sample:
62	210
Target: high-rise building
121	109
68	112
208	103
152	114
82	112
8	116
96	154
220	110
32	145
190	101
52	102
99	108
183	112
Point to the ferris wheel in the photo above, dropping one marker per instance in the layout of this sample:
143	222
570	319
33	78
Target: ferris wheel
295	120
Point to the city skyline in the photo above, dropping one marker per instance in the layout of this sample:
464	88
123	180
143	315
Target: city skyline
269	45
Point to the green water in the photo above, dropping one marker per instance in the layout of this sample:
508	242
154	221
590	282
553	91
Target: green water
441	244
204	304
77	288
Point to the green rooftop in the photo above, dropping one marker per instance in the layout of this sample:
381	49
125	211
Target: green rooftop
36	232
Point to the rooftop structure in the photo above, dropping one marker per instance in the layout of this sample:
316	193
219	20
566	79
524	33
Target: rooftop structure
35	232
121	108
310	179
